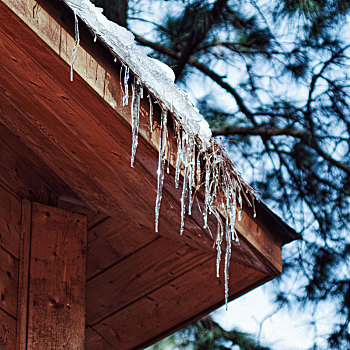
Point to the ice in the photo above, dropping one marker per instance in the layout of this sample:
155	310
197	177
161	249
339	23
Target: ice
150	114
135	114
157	80
126	86
178	154
161	162
191	172
76	44
165	68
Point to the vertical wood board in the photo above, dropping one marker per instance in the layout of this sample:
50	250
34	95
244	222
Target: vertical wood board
7	332
56	315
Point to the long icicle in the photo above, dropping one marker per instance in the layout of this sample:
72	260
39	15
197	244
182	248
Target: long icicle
161	163
126	87
76	44
150	114
185	157
178	154
135	113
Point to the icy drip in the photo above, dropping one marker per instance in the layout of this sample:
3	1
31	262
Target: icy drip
150	114
161	163
227	266
191	171
135	113
126	86
76	44
178	155
185	158
207	191
198	170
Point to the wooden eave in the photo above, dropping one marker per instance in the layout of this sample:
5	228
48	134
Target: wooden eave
141	286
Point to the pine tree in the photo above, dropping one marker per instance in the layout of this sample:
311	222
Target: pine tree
277	76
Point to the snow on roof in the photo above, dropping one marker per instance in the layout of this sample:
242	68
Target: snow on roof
150	73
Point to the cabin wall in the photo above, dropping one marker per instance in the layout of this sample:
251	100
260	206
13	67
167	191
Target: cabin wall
20	185
10	219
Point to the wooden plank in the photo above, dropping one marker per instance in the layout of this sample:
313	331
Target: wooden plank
95	342
113	240
170	305
10	219
22	171
8	282
23	279
152	266
7	332
56	315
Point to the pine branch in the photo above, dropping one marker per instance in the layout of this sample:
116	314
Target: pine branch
198	36
258	129
265	131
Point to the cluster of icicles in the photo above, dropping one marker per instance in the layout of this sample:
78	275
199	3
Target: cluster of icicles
208	169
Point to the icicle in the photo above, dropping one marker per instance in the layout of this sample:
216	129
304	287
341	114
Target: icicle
185	155
135	112
183	197
227	266
150	114
161	161
192	164
207	191
168	153
198	169
76	44
218	259
178	155
239	215
95	38
126	87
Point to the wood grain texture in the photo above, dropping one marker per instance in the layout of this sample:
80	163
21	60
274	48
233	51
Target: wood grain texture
23	276
155	265
95	342
7	332
169	306
56	315
8	282
10	220
113	240
24	174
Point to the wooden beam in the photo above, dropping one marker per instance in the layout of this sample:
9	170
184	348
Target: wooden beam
56	280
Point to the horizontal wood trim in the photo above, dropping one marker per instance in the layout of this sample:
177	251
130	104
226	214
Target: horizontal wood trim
152	266
95	342
112	241
163	309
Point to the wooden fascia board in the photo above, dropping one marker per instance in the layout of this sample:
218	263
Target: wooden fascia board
98	76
